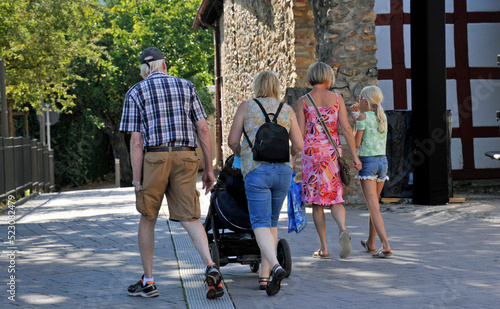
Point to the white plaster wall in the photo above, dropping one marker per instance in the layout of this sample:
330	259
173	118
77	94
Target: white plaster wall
482	145
483	5
484	44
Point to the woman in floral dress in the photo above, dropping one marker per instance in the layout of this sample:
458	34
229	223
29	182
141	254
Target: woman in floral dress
321	184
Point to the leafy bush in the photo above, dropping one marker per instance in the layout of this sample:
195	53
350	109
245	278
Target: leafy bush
81	151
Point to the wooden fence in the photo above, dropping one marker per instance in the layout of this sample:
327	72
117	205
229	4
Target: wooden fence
26	167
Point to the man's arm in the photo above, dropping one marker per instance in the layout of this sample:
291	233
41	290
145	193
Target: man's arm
136	157
206	147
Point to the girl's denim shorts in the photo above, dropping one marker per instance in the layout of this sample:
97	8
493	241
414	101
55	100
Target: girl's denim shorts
374	168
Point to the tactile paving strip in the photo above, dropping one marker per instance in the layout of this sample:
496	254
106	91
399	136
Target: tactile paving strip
191	272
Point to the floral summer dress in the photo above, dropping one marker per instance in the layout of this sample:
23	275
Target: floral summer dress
321	184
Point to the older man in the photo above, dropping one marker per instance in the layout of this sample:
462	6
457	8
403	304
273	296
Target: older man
165	117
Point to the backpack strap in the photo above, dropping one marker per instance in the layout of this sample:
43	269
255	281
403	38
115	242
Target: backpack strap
246	136
275	119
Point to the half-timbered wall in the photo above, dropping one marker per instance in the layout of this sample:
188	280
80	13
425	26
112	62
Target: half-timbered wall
473	76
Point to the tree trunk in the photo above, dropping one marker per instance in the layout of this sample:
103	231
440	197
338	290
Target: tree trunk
120	151
12	128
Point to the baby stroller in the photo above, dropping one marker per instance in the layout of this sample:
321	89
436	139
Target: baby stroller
229	231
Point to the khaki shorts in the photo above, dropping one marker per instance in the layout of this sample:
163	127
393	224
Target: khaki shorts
173	174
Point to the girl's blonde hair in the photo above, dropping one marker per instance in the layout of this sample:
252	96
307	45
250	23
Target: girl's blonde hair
374	96
153	66
266	84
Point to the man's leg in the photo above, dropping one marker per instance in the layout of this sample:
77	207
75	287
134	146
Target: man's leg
146	238
198	236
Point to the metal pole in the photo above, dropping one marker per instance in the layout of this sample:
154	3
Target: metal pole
42	124
3	98
47	116
117	173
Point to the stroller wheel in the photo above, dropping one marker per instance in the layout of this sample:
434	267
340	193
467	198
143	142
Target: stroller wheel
254	267
214	253
284	256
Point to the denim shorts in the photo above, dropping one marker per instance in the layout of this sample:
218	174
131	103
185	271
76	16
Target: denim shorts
266	188
374	168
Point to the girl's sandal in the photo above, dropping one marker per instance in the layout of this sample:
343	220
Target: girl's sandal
365	245
381	254
263	282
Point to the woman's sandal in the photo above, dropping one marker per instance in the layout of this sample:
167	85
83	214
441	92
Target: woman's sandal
319	254
365	245
263	282
277	274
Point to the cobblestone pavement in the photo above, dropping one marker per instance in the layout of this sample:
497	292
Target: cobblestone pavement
78	249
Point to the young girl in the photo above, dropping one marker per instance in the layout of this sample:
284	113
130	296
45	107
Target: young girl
371	137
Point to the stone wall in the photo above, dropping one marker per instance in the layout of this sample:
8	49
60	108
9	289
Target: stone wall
345	33
257	35
305	41
286	36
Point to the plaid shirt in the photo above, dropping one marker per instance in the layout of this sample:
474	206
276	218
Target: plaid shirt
164	109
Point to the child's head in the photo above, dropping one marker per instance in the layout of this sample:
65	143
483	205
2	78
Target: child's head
373	96
370	99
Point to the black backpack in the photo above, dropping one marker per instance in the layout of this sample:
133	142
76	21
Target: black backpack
271	140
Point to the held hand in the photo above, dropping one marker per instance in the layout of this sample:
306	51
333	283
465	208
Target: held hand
357	164
208	181
294	162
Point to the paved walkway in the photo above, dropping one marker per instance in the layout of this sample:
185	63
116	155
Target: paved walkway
78	249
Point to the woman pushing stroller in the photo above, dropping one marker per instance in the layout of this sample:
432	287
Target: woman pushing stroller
266	183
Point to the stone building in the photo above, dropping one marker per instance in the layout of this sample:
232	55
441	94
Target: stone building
286	36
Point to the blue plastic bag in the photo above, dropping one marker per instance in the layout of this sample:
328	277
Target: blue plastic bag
297	220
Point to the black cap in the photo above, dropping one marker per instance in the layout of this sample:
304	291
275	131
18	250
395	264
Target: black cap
151	54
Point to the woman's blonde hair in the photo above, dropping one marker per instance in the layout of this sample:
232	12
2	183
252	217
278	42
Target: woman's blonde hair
319	73
266	84
153	66
374	96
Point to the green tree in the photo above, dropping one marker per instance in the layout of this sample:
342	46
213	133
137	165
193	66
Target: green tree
128	27
39	40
